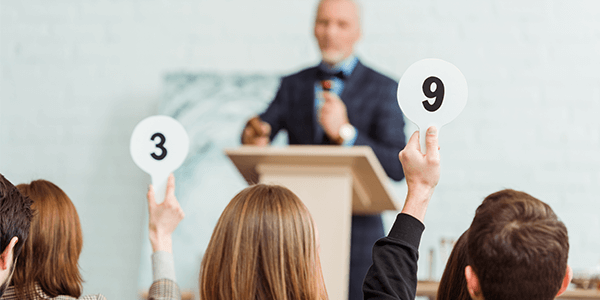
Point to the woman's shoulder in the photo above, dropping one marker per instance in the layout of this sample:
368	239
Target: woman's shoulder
10	294
93	297
86	297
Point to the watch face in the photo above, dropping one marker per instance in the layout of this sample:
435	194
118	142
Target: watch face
346	132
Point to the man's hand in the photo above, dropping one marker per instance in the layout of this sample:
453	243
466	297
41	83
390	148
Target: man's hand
164	217
256	132
422	172
332	116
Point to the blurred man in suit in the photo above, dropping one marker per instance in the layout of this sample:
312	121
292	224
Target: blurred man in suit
339	102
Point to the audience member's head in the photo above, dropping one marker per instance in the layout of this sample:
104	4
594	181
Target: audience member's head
49	258
337	29
453	285
517	249
264	246
15	219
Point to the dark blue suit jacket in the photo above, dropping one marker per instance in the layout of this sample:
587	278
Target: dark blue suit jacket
373	110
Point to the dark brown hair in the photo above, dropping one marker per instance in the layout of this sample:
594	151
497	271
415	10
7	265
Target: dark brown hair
15	216
264	246
517	247
453	285
51	253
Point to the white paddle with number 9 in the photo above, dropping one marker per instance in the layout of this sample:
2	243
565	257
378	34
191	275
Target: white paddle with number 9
432	92
159	145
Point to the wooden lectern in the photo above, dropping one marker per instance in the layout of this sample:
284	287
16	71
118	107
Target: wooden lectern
334	183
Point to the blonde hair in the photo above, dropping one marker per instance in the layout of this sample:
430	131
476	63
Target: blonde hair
263	247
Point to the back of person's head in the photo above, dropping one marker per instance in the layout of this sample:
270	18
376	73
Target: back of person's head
15	216
50	256
453	285
15	220
264	246
517	247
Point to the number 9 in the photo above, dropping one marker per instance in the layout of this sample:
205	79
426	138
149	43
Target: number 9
438	94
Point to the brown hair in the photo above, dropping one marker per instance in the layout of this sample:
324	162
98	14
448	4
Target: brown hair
263	247
517	247
453	285
15	216
51	253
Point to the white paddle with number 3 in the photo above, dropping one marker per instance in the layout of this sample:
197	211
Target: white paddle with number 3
432	92
159	145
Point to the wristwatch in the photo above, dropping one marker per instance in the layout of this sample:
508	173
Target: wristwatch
347	132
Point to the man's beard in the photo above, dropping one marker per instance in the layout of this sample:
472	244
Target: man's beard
5	284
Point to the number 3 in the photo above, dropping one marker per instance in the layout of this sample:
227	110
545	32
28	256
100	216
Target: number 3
160	146
438	94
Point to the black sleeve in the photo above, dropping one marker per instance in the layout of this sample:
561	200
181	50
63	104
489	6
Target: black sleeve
393	274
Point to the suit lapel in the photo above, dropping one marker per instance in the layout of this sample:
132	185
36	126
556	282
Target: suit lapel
307	100
352	89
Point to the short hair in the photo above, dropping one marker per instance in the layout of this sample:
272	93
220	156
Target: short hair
517	247
263	247
15	216
50	256
453	285
356	3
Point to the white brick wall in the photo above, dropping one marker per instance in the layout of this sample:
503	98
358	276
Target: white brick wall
76	76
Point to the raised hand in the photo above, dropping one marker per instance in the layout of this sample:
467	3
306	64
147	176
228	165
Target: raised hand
164	217
422	172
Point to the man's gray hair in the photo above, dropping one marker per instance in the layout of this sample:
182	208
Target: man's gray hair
357	3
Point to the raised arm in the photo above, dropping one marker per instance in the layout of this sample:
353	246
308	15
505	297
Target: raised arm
422	173
393	274
163	219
